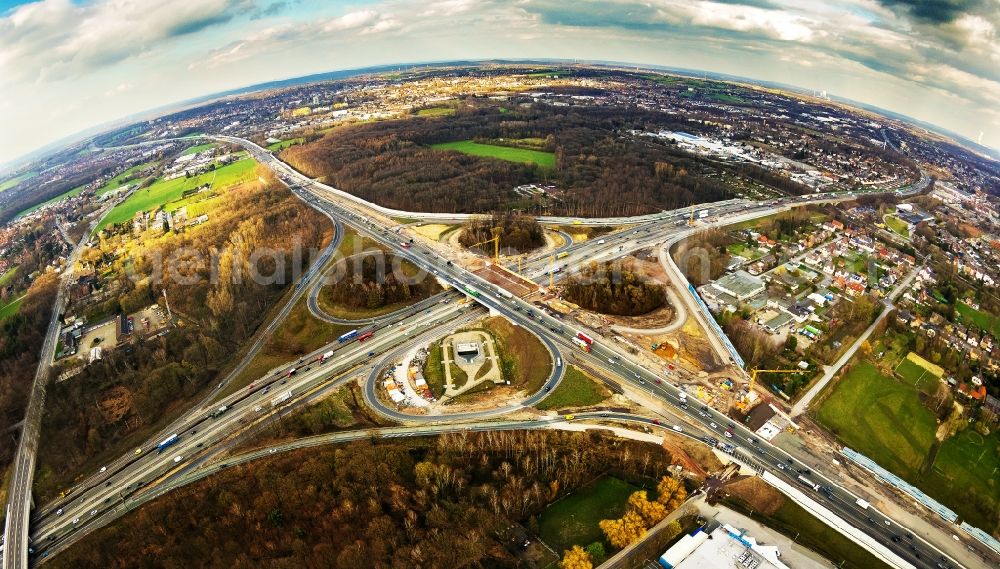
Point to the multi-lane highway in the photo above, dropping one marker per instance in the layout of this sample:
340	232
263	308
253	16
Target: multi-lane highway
146	471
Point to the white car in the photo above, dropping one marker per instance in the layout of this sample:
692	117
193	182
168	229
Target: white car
104	469
713	425
678	428
178	458
76	521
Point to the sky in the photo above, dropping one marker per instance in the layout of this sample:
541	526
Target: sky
67	65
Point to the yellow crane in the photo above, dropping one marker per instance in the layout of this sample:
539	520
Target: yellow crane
495	240
744	404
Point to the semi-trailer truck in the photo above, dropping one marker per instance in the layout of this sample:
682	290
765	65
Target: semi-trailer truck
585	338
326	356
348	336
365	335
281	398
172	439
583	345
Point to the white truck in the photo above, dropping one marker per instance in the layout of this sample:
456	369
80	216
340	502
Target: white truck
326	356
281	398
864	505
703	214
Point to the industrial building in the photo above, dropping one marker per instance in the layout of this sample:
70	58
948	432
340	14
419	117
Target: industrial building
721	547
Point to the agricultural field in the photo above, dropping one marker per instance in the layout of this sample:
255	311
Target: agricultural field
965	475
163	192
983	320
880	418
573	520
510	154
577	389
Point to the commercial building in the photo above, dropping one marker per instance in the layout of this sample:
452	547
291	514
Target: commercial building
740	285
721	547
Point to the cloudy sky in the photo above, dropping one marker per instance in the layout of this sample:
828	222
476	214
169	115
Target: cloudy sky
68	65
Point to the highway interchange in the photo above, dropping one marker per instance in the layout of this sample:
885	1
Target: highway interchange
138	477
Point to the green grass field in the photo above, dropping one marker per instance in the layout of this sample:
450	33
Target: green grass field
199	148
964	477
915	375
880	418
283	144
573	520
576	389
8	184
982	320
510	154
10	309
897	225
165	191
884	420
117	181
436	112
8	276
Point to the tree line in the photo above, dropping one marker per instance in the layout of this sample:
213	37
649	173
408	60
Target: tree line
444	502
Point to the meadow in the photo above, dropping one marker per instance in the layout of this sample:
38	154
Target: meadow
163	192
508	153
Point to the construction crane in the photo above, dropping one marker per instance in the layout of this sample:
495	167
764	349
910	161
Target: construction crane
745	403
495	240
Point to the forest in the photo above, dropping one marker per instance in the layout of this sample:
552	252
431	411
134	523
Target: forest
611	289
123	397
21	337
518	233
447	502
599	171
374	284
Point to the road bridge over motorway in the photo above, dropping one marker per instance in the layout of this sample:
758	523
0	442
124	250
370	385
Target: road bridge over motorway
131	477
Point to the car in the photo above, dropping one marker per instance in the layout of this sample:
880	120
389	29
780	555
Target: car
570	417
76	521
370	354
104	469
266	389
658	380
138	451
656	421
283	381
703	414
59	512
178	458
781	466
728	433
548	388
677	428
93	512
896	539
250	387
713	425
870	520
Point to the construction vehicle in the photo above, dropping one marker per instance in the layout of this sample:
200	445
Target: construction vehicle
749	399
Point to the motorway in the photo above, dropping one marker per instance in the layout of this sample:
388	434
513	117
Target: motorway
552	331
140	474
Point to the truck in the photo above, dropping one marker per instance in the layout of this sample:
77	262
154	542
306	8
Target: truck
281	398
291	372
583	345
864	505
347	336
471	291
172	439
809	483
585	338
218	412
506	293
703	214
326	356
365	335
562	255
